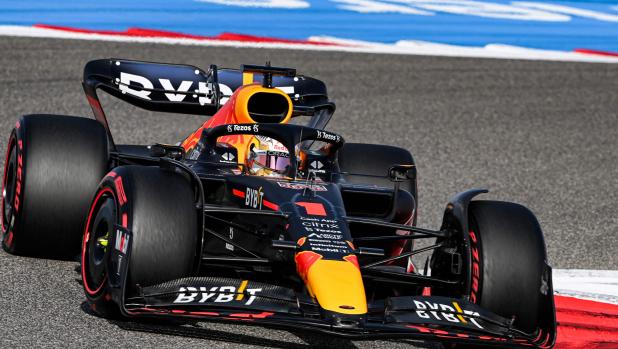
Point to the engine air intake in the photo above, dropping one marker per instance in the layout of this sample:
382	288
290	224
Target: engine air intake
266	107
257	104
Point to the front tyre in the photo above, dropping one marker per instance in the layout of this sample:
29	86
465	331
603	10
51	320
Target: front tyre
158	208
508	261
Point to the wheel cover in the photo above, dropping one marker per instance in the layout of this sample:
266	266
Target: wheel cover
102	217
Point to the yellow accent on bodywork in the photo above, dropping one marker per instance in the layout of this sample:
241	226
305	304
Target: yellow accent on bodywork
247	78
241	290
335	284
461	318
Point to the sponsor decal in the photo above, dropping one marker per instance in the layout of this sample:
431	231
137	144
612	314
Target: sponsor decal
218	294
328	136
327	245
320	224
446	312
301	186
324	235
254	197
314	236
243	128
122	241
141	87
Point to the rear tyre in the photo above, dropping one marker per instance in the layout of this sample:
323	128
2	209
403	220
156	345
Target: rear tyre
511	261
158	208
53	165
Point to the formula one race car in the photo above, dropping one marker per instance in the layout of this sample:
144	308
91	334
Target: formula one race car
259	218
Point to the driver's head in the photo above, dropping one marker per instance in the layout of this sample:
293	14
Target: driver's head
267	157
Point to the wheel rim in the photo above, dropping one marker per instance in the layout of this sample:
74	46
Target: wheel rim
8	187
96	247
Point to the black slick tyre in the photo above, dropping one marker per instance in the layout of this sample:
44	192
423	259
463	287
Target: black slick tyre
53	165
508	261
158	208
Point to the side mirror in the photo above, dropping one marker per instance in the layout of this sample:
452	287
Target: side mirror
401	173
165	150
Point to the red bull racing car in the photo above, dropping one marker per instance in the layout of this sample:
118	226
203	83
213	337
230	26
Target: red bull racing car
262	215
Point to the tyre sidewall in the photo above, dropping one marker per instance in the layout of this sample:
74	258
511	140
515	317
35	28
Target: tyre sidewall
508	261
99	296
14	145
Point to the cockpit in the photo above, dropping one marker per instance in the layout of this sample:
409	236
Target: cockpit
273	150
256	105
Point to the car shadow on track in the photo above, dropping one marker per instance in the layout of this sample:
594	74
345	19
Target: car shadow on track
194	330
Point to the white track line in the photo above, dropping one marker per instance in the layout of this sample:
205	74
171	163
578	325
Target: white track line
405	47
598	285
414	47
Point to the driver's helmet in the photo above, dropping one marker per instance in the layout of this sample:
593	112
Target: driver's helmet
267	157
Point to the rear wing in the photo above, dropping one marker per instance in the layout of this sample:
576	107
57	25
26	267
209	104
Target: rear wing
186	89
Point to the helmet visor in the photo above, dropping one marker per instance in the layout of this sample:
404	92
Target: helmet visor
271	159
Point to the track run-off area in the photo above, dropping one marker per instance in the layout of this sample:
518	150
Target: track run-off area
537	132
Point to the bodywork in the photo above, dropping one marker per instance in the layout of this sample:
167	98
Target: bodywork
309	251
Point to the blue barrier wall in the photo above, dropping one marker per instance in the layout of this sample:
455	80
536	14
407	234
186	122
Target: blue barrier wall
557	25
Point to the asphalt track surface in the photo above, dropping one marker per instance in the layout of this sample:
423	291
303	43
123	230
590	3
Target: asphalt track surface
544	134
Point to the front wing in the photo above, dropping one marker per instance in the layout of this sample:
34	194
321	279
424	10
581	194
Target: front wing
228	299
